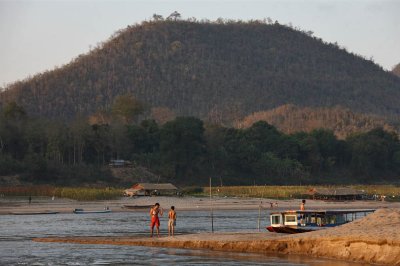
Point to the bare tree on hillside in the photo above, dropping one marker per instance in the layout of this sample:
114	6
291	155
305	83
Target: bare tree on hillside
157	17
396	70
174	16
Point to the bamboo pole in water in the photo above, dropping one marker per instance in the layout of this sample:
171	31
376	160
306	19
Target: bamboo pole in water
212	212
259	216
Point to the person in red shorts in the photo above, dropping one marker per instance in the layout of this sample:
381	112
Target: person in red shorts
155	221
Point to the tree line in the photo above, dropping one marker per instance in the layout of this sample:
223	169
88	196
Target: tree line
187	150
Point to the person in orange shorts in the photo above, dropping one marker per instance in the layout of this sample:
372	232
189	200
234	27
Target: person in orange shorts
155	220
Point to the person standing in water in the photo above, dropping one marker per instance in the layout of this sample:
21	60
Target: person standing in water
155	221
171	221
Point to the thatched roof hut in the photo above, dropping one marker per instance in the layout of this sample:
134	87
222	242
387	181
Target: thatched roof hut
147	189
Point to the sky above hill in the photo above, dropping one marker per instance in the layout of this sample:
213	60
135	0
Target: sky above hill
36	36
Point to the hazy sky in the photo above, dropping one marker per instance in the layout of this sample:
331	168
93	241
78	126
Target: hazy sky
39	35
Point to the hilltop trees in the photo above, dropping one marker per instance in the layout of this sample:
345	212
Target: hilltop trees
157	17
222	69
396	70
174	16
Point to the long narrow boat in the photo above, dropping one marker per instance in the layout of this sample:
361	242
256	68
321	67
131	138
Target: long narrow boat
137	206
292	222
82	211
34	213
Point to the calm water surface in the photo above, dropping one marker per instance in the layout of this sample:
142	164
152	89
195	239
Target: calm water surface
16	247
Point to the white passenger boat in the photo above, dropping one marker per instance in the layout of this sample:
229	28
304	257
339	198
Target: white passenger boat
292	222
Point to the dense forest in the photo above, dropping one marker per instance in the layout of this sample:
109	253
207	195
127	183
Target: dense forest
217	71
342	121
187	151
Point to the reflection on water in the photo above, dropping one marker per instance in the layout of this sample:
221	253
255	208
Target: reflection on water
16	247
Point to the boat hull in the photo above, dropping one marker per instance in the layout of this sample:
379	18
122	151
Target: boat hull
137	206
87	212
289	230
34	213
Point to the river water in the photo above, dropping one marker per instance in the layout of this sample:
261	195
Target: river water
16	247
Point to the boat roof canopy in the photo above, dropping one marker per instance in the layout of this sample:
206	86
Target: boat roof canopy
324	211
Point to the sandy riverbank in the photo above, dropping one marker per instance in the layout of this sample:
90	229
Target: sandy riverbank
10	205
373	239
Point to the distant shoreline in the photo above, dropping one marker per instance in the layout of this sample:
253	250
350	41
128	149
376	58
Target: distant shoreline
9	205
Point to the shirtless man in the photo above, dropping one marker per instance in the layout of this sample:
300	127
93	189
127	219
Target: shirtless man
171	221
302	205
302	208
155	221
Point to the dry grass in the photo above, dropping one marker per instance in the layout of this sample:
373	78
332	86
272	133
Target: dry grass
391	192
276	192
27	191
286	192
89	193
76	193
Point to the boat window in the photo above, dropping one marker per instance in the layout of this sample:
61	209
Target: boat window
340	219
321	221
290	218
306	219
331	219
275	219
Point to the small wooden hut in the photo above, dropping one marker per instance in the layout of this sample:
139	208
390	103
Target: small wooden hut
120	163
149	189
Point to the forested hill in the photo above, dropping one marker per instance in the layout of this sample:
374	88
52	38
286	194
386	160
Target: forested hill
210	70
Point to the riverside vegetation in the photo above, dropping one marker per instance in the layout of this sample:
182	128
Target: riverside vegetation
391	192
187	151
75	193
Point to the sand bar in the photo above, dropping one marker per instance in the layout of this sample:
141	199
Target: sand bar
373	239
10	205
